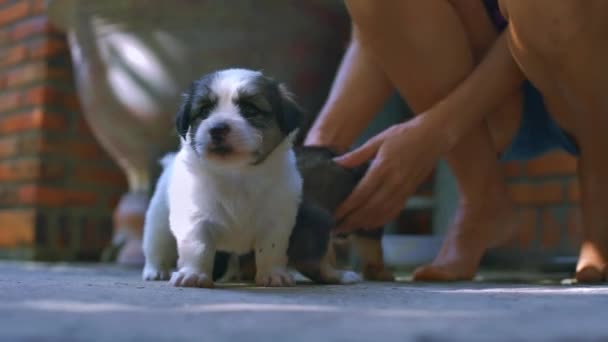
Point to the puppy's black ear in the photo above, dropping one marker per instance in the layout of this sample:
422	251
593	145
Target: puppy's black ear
291	114
183	116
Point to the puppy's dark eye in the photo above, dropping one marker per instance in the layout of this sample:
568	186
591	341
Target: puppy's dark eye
249	110
205	108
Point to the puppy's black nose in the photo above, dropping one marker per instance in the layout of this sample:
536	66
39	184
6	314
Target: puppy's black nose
219	131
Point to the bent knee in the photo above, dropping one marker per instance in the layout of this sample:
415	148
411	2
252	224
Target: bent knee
548	24
367	13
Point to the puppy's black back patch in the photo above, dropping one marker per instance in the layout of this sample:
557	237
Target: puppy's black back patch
326	183
310	236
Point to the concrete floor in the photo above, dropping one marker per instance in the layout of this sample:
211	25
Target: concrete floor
105	303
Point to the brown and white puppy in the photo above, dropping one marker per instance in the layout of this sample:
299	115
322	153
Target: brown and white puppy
234	187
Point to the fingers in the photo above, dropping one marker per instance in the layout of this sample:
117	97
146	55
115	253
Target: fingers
360	155
383	206
363	191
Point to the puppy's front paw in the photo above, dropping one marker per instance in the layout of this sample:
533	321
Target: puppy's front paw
152	273
275	278
186	278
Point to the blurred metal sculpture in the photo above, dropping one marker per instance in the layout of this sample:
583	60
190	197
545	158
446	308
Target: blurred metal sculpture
133	58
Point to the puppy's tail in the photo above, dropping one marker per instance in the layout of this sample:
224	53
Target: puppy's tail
167	159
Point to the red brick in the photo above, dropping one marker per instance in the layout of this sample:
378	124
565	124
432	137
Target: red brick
4	37
13	56
37	95
38	25
27	74
51	171
30	169
89	239
84	150
512	169
114	199
574	193
534	194
26	145
9	101
83	127
80	198
17	227
17	11
19	170
9	194
8	147
72	102
41	95
555	163
62	74
48	48
39	6
551	230
574	227
55	197
528	227
35	119
77	149
72	148
96	175
39	72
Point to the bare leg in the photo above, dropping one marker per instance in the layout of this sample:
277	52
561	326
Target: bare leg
593	167
402	37
346	113
566	60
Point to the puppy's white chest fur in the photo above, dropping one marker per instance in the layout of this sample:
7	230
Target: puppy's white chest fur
235	210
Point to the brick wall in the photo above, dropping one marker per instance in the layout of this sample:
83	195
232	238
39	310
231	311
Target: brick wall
547	195
57	186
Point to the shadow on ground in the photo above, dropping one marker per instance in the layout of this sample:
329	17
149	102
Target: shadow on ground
102	303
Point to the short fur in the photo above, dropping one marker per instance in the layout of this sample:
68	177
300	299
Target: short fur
233	186
325	185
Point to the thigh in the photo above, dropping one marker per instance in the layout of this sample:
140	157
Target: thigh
427	47
482	32
560	46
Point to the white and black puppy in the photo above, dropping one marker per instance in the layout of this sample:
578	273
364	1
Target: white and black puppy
234	187
234	184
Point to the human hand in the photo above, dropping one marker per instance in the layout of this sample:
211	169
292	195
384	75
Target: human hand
403	156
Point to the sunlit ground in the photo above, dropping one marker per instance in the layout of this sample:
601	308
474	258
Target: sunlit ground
86	302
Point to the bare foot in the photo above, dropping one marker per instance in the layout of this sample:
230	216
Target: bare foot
592	264
472	233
